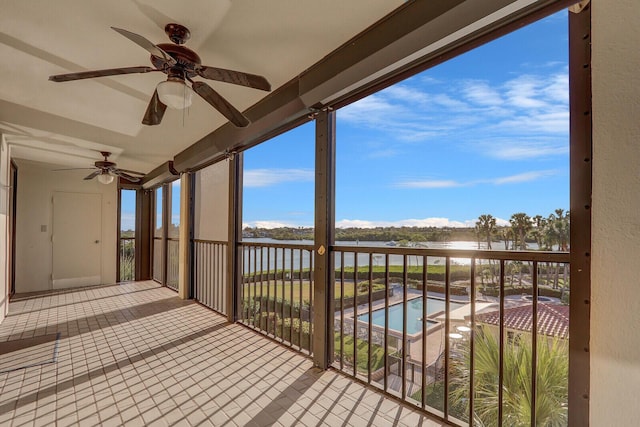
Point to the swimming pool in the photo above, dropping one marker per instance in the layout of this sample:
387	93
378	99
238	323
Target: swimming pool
414	314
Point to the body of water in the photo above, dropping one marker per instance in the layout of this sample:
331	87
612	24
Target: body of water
281	259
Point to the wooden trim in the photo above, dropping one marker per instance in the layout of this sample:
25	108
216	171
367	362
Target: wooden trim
163	174
144	235
323	275
234	228
13	199
580	212
118	232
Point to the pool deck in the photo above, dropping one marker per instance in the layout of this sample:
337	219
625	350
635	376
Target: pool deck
434	337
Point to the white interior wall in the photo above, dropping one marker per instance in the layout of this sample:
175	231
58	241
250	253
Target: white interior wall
4	227
36	185
615	287
212	202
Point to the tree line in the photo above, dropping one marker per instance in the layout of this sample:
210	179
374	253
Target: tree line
548	233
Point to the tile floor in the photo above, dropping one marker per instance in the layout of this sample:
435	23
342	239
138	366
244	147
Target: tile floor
135	354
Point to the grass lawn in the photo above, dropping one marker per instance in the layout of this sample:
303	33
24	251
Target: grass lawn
277	288
377	353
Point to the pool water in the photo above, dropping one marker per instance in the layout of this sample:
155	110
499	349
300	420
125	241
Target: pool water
414	314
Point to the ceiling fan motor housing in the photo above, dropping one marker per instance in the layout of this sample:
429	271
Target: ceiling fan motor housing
186	59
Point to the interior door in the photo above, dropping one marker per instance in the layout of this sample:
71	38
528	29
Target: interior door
76	239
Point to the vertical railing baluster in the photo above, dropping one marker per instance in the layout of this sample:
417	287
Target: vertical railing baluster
206	261
405	277
254	284
215	289
261	286
300	302
447	304
246	280
370	325
386	321
291	279
355	314
423	402
534	343
342	310
501	355
284	268
471	340
311	258
266	326
213	265
208	270
220	277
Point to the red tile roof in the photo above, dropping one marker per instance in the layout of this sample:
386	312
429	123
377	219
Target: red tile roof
553	319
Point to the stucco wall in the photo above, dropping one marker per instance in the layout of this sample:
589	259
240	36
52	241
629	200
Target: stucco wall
615	308
36	185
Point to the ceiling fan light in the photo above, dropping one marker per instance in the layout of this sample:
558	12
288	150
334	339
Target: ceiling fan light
175	94
105	178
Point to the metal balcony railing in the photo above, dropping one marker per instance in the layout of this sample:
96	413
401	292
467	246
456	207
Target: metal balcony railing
127	254
209	274
173	260
277	292
474	337
157	261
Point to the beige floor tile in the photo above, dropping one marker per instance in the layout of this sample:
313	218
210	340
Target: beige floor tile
134	354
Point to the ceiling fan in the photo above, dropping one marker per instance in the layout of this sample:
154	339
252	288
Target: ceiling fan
180	64
106	171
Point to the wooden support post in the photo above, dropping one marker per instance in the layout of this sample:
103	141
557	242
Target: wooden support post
234	267
324	237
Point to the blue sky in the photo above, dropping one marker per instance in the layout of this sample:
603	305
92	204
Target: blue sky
487	132
484	133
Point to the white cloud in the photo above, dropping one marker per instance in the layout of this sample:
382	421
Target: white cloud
511	179
360	223
523	110
268	224
429	184
424	222
481	93
524	148
269	177
523	177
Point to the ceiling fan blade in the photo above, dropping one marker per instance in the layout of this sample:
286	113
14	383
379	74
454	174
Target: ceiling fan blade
124	175
234	77
93	174
147	45
71	169
155	111
100	73
220	104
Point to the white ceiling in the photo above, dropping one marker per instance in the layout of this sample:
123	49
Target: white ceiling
66	123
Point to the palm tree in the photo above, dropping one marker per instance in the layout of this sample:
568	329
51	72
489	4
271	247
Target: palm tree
558	224
506	237
521	225
539	226
485	226
551	381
